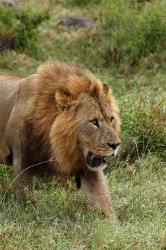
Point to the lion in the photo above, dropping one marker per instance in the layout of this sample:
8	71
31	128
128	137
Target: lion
59	121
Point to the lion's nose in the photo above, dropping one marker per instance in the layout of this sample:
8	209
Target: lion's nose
113	145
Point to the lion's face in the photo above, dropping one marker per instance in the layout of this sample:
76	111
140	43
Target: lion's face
97	131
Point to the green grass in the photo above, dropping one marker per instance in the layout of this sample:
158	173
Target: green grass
127	50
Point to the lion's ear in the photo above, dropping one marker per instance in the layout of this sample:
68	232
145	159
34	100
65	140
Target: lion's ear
105	88
63	99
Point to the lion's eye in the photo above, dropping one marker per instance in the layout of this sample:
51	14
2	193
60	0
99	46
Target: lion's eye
112	118
95	122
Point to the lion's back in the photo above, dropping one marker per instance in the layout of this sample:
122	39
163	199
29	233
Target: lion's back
8	91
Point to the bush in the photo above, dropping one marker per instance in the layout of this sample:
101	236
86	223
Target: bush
136	33
144	123
19	25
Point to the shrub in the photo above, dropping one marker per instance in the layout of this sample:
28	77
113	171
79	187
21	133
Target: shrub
126	36
135	33
19	25
144	123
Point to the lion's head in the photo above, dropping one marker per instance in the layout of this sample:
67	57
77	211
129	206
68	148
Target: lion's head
79	114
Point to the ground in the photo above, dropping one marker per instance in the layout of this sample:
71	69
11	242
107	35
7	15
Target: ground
124	46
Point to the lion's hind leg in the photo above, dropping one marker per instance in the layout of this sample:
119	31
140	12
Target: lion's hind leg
5	154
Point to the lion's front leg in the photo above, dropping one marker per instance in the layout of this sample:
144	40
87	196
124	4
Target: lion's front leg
95	187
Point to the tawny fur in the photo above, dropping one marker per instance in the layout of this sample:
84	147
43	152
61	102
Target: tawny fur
48	110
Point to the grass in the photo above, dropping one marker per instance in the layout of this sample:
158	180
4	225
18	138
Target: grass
126	49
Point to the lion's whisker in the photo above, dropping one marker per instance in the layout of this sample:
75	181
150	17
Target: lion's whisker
23	171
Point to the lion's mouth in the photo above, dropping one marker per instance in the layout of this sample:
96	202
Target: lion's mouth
95	161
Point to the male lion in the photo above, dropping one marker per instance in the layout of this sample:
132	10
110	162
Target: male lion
60	121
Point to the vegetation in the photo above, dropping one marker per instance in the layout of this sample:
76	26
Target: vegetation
126	47
19	25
